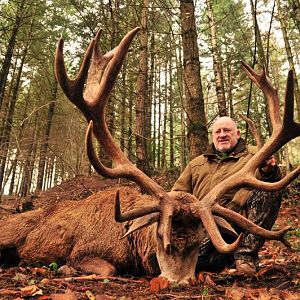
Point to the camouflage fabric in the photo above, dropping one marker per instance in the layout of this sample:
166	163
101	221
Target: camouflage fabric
261	208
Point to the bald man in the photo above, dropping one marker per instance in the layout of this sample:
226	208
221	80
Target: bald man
224	157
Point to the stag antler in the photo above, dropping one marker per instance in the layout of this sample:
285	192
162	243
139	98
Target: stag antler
98	74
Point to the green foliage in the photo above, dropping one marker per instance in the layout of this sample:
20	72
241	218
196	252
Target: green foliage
205	291
53	266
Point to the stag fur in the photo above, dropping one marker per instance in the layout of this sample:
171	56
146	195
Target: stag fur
84	235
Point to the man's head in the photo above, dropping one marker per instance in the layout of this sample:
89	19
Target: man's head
225	134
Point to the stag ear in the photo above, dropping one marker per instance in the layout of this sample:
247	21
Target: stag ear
142	222
225	227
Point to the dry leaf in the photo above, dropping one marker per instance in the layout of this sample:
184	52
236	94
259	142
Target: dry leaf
286	295
90	295
7	292
29	290
235	294
201	277
209	282
159	283
45	281
68	295
39	271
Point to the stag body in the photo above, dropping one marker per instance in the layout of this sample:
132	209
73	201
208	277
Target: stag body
84	235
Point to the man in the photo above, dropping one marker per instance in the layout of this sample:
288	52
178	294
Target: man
224	157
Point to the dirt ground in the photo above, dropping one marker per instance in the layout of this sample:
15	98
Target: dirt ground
278	276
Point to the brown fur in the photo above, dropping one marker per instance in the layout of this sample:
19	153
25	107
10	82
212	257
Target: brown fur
71	231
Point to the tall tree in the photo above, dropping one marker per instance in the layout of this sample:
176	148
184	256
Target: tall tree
288	49
46	136
10	48
5	139
295	12
194	103
217	61
142	103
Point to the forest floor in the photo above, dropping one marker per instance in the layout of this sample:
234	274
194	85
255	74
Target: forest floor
278	276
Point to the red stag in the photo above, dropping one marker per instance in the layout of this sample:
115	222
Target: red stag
161	231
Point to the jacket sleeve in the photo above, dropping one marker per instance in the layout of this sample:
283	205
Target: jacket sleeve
184	182
272	176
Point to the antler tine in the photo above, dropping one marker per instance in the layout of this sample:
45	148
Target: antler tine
264	83
135	213
73	88
288	115
253	130
244	223
205	215
97	93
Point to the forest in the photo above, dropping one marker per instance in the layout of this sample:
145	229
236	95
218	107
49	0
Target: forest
184	68
182	71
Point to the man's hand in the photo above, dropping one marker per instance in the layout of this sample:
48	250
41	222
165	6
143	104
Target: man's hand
269	165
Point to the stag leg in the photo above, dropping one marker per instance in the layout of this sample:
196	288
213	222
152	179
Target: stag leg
262	209
96	265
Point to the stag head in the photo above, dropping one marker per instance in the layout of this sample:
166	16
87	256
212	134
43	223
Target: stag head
89	91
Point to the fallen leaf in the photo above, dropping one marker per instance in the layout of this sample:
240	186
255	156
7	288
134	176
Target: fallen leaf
8	292
20	277
230	271
68	295
159	283
201	277
236	293
105	297
29	290
286	295
193	282
45	281
90	295
39	271
209	282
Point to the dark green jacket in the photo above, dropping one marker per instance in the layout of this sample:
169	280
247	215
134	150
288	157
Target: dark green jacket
207	170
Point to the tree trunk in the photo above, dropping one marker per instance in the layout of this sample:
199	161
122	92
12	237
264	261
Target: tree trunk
44	146
130	123
142	95
159	98
28	165
171	114
152	91
217	61
164	129
123	110
295	9
9	119
261	58
9	51
289	54
197	131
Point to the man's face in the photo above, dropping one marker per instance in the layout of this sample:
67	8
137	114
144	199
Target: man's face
225	134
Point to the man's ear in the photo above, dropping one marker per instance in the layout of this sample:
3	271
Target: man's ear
238	133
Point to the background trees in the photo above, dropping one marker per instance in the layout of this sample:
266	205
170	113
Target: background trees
181	73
